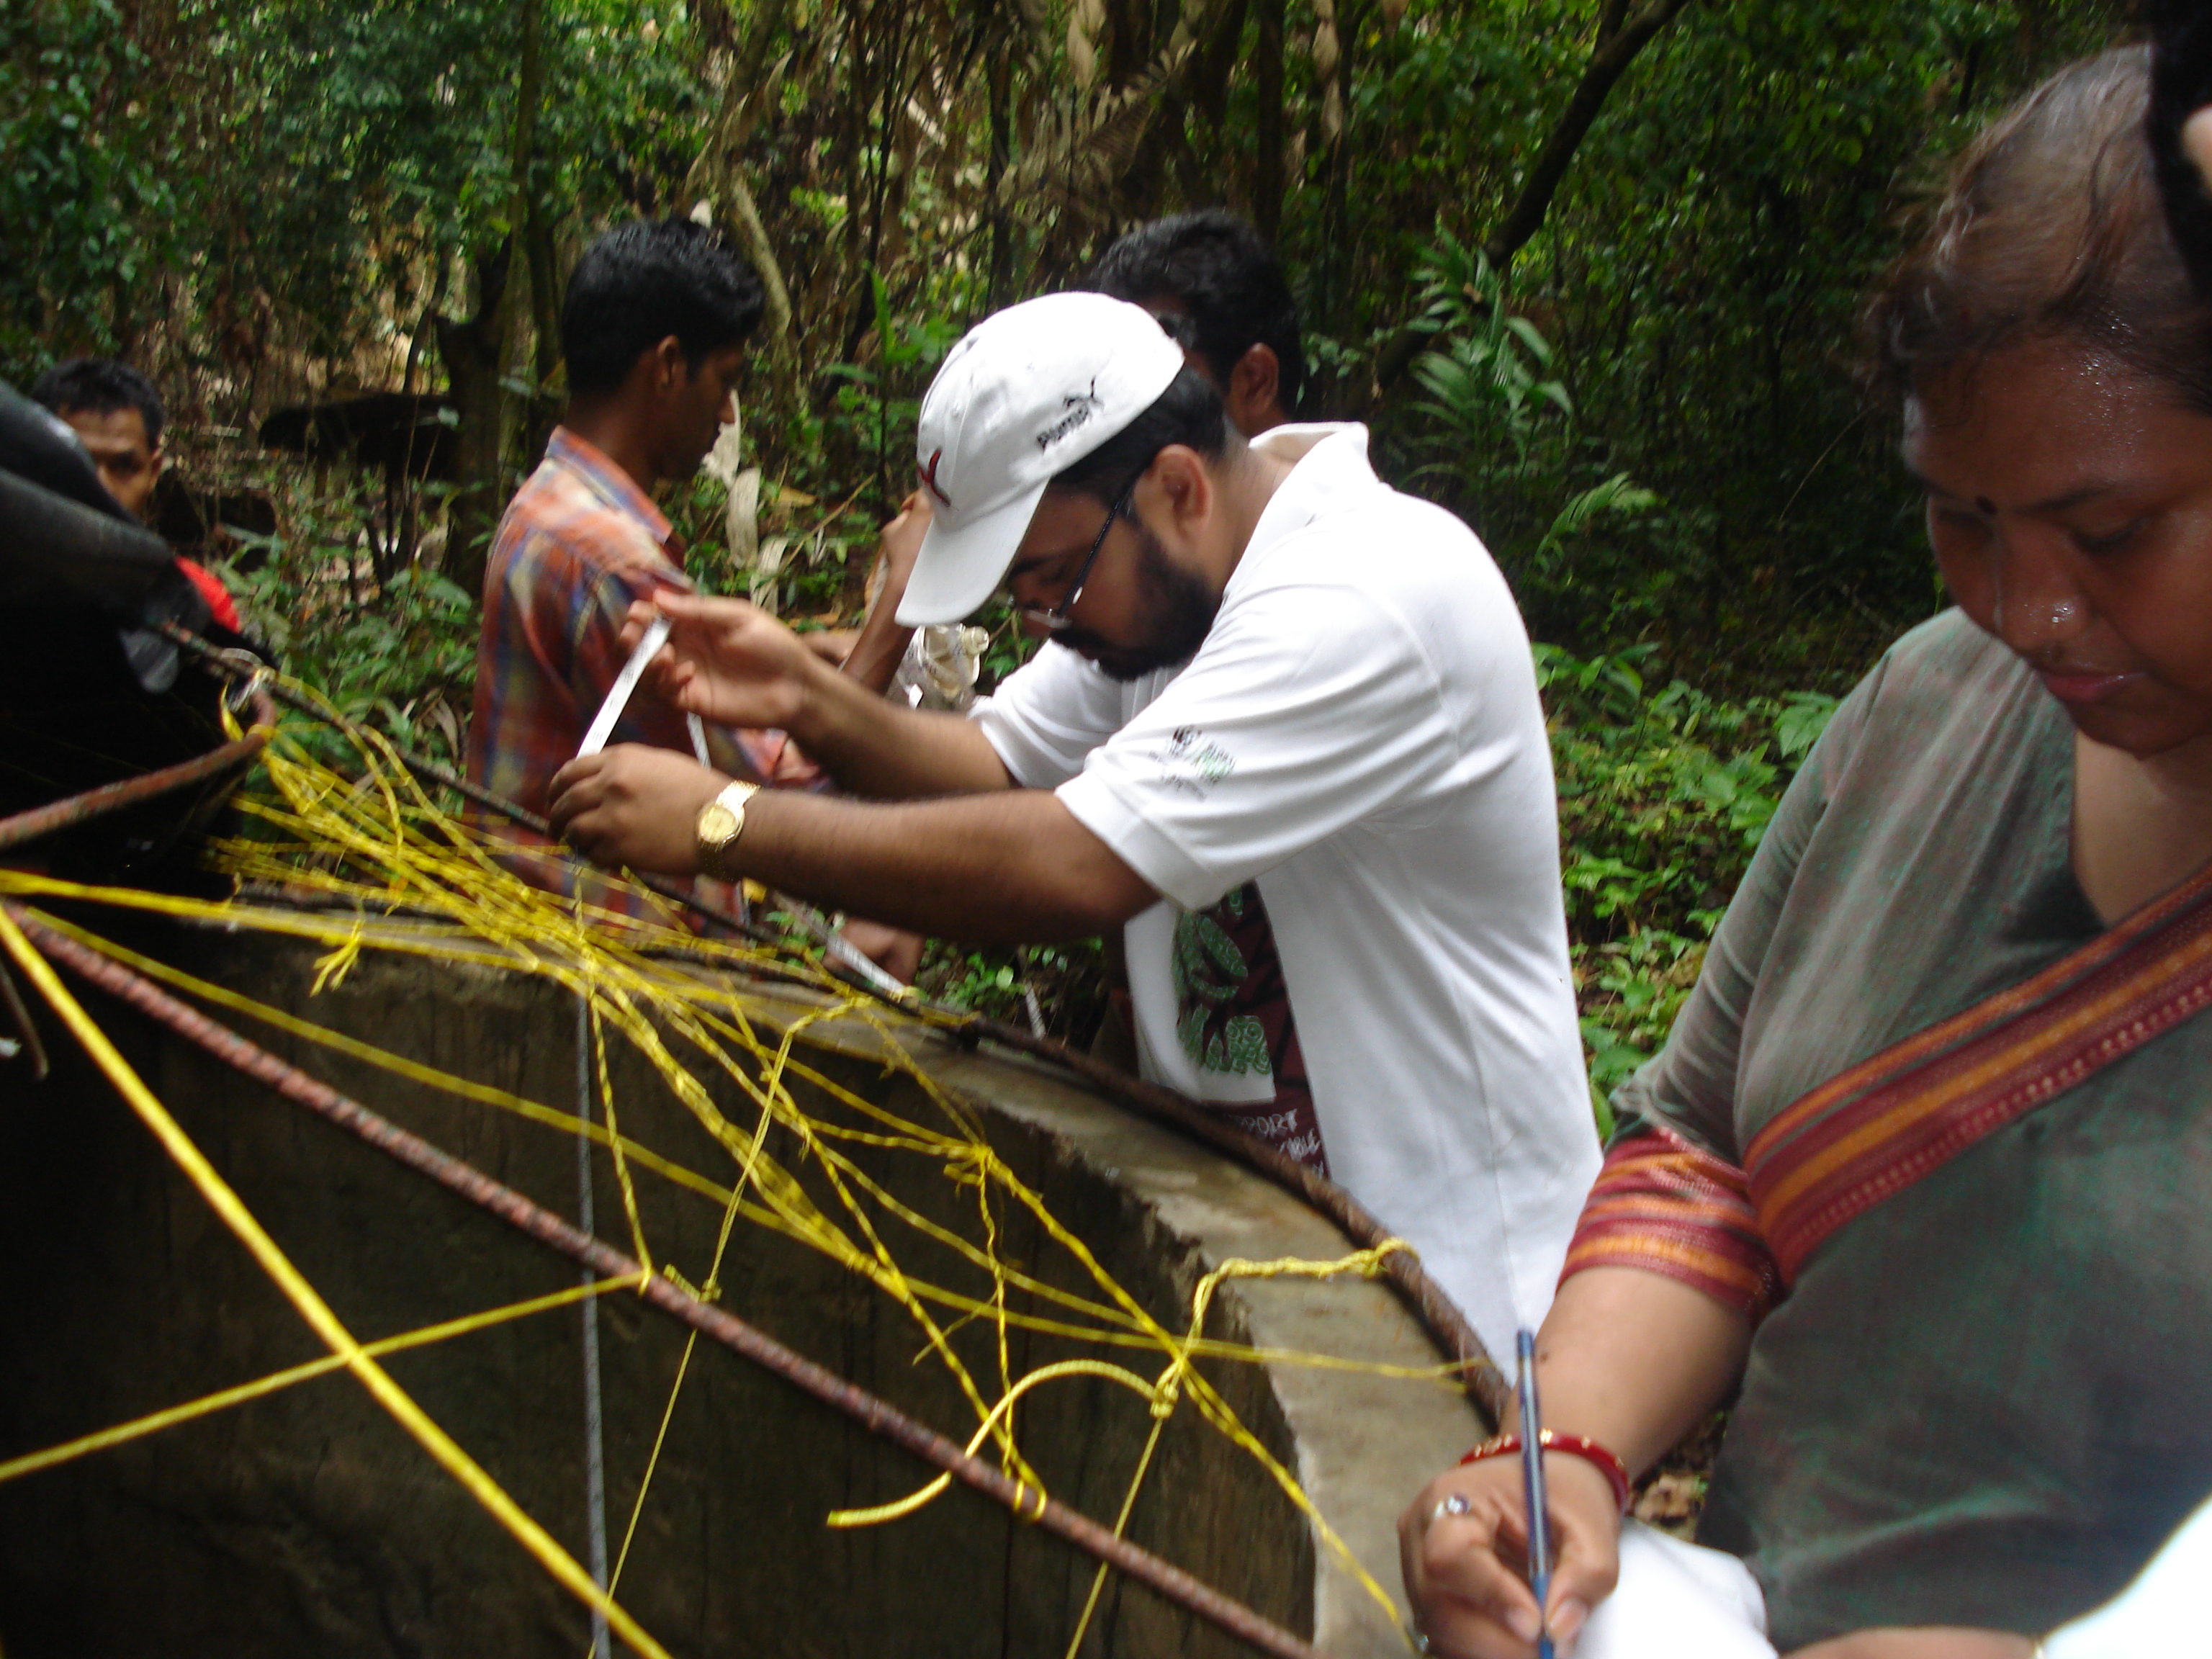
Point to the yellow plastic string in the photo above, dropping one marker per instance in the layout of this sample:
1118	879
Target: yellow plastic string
382	845
915	1500
1107	1320
1163	1394
311	1308
1169	1389
711	1290
613	1141
398	1065
242	1393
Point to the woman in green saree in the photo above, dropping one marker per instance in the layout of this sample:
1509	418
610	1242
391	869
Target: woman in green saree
1924	1175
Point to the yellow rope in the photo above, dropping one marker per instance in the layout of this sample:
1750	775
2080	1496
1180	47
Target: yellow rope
1109	1326
1162	1396
1169	1389
311	1308
915	1500
613	1141
382	845
711	1290
653	1461
223	1399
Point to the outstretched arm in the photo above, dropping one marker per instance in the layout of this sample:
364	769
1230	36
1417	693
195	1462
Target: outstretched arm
733	663
875	656
1011	866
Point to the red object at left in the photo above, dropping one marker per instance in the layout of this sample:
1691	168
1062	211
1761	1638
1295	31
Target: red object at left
220	605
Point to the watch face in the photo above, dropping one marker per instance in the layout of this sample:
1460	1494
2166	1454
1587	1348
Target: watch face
717	824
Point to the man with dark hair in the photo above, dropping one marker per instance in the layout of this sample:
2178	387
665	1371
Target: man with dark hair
1218	293
117	415
642	284
1284	732
1216	287
653	328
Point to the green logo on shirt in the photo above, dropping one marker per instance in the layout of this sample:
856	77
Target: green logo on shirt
1209	970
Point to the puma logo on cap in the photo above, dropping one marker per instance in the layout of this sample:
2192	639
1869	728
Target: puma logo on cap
928	475
1081	406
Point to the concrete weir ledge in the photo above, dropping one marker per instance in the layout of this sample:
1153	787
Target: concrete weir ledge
308	1522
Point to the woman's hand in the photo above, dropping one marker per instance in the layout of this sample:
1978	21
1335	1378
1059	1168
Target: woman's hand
1931	1642
1629	1359
728	661
1463	1545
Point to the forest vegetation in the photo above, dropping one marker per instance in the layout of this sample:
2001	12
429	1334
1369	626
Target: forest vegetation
1588	269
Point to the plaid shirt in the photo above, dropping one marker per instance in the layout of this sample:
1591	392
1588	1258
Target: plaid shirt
579	543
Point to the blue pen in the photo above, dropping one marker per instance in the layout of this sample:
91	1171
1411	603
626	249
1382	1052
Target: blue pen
1532	1486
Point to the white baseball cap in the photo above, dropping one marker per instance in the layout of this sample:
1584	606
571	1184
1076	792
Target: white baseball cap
1029	392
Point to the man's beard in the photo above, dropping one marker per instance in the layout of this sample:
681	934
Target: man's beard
1177	610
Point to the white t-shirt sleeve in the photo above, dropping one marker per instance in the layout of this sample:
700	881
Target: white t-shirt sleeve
1309	709
1047	715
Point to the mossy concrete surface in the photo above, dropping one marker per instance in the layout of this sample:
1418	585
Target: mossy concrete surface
307	1522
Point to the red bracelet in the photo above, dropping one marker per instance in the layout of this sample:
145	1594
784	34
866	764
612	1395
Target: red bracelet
1606	1462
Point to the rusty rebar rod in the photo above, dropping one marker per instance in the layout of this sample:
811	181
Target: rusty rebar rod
423	766
1436	1311
73	810
878	1416
1441	1316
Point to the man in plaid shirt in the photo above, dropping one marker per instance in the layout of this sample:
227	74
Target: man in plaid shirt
652	329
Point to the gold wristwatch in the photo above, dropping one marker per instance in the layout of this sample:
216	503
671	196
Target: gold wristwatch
721	821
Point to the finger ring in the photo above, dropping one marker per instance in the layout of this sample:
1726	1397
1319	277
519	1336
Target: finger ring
1419	1639
1455	1504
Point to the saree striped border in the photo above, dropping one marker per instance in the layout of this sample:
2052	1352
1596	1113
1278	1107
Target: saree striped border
1897	1117
1667	1206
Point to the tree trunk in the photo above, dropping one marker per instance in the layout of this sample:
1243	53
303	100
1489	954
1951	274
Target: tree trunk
999	84
478	352
543	315
1615	50
1267	83
1621	37
475	354
718	178
1335	31
1209	80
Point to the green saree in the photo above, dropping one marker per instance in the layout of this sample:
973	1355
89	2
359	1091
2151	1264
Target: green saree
1979	1400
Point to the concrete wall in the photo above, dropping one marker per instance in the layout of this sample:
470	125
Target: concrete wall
309	1524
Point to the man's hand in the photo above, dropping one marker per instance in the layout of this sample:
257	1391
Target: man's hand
873	661
894	950
636	805
728	661
832	644
899	545
1463	1545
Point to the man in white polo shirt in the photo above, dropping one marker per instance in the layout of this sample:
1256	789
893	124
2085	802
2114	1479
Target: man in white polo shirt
1285	729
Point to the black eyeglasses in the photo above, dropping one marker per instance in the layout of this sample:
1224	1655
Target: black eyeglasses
1054	617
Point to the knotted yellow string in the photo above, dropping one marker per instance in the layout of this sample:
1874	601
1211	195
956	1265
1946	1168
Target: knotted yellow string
311	1308
382	846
